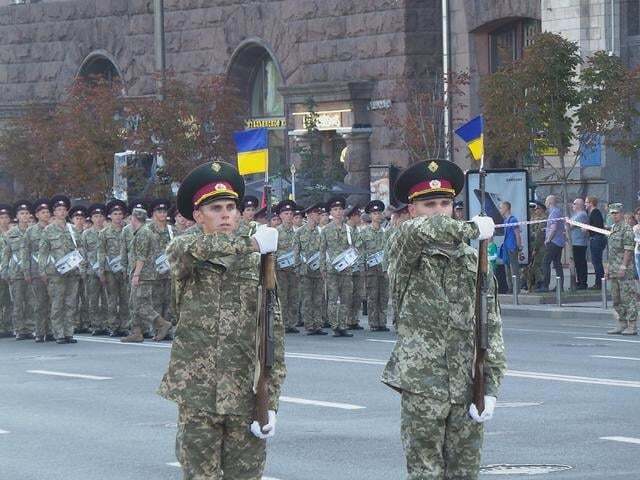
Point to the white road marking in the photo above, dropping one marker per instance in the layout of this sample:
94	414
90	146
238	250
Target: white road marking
635	441
616	358
4	432
177	464
118	342
336	358
319	403
381	341
517	404
69	375
573	379
608	339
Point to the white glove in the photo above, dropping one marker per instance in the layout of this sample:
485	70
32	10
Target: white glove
485	225
269	430
487	414
267	238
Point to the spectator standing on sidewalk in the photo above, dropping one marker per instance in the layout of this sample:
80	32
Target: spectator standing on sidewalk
511	247
636	234
579	239
554	241
597	241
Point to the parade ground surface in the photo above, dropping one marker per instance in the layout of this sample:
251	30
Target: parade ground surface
89	411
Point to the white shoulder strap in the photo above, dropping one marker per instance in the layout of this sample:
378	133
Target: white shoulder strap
73	235
349	235
170	232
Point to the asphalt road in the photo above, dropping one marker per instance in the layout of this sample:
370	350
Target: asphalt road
563	395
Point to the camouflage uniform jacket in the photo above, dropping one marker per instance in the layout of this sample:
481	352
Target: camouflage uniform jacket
193	229
125	248
110	241
3	246
89	247
285	244
162	240
620	240
306	243
213	358
11	264
246	228
56	242
370	241
434	280
143	248
333	241
30	248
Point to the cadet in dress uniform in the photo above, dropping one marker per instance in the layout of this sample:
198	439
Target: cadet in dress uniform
286	266
11	267
94	285
212	370
112	269
433	280
38	299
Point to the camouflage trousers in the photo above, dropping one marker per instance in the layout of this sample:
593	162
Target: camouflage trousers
213	447
94	293
81	316
287	294
357	280
440	440
377	297
143	312
63	292
6	324
625	300
340	298
312	293
117	300
39	306
162	297
22	323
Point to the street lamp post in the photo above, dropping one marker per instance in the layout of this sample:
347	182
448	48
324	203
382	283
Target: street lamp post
292	169
158	32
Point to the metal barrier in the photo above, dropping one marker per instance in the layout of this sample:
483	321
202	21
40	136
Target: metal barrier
516	289
558	292
604	293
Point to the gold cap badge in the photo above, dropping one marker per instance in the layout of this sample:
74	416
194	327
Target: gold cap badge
433	166
215	167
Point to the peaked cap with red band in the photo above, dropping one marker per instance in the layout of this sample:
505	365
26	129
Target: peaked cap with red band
429	179
208	182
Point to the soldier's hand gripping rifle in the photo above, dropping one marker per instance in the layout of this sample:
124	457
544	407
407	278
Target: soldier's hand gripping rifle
265	326
481	328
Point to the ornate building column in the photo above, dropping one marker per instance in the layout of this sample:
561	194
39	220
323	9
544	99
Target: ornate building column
357	159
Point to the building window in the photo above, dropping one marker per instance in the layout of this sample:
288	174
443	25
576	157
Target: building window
266	100
507	43
633	17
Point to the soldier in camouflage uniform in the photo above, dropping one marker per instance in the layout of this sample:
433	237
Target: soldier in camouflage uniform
94	286
12	270
620	271
354	221
164	233
144	277
212	371
111	269
398	217
6	323
535	274
286	267
82	322
38	299
298	223
371	243
337	241
248	208
60	239
433	281
306	247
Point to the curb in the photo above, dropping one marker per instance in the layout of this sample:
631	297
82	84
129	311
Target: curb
558	313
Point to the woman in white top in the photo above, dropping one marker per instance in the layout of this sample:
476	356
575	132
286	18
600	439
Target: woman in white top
636	233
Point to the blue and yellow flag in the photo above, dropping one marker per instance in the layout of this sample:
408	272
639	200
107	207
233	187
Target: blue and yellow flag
253	150
472	133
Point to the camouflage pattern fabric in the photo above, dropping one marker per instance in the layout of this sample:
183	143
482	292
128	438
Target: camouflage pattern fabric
162	288
94	292
623	288
246	228
287	278
217	298
534	273
56	242
117	285
306	244
208	445
433	276
125	249
10	265
370	241
143	248
440	440
37	297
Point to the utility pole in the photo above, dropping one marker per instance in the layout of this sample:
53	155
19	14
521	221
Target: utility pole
158	35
